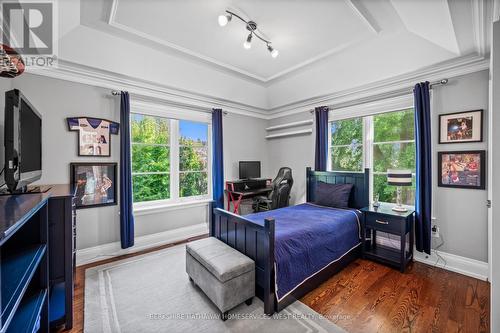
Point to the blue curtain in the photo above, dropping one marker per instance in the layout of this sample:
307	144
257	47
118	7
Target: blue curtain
218	159
321	153
126	208
423	196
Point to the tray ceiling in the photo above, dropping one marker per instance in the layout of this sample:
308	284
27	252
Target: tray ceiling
305	32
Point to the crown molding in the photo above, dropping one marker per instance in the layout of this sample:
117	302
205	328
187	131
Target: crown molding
449	69
481	15
496	10
145	90
364	16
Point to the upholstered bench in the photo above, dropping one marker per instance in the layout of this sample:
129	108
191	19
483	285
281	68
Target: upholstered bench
225	275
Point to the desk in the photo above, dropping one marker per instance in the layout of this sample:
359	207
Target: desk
235	197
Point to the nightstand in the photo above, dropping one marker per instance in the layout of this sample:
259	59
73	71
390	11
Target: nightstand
384	219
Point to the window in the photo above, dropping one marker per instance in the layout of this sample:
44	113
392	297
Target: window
393	148
378	142
193	161
347	145
170	158
150	138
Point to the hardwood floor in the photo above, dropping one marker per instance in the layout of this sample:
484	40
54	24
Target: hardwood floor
369	297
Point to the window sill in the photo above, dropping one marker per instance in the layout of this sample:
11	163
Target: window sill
160	207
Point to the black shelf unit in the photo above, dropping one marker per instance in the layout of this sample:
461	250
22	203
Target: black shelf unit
24	263
62	255
384	219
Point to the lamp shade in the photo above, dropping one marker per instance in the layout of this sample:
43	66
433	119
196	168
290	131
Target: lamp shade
399	177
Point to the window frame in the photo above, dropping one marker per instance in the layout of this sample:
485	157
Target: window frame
174	116
367	111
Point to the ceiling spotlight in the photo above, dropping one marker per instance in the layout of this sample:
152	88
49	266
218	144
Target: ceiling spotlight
224	19
274	52
248	43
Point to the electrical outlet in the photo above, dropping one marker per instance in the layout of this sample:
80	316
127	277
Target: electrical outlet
435	231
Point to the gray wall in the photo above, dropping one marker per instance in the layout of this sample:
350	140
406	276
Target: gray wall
463	225
495	156
461	214
58	99
296	152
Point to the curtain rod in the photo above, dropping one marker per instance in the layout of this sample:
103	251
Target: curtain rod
116	93
383	96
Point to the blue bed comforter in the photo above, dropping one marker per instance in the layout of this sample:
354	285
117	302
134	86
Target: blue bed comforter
307	239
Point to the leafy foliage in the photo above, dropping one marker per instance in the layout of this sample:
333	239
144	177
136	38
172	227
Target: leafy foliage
151	161
347	147
388	150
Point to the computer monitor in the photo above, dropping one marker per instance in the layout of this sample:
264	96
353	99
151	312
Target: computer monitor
249	169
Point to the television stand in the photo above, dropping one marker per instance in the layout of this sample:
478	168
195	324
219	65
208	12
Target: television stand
28	190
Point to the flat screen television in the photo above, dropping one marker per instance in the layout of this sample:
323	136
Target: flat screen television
249	169
22	141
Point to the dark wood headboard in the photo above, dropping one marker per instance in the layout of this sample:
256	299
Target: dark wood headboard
360	193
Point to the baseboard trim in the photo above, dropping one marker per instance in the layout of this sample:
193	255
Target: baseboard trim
454	263
110	250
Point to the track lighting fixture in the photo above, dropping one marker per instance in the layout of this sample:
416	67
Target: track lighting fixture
274	52
252	27
224	19
248	43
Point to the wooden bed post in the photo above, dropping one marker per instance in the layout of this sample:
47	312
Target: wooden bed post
269	297
308	183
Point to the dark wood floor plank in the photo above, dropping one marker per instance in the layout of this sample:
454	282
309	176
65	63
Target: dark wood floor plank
382	297
423	299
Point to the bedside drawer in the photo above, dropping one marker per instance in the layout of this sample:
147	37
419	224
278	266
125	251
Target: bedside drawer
383	223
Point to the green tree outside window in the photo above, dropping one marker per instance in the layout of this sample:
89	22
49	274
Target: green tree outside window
393	147
150	144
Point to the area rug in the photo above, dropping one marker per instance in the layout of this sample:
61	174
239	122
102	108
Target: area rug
152	293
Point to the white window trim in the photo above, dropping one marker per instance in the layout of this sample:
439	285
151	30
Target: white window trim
372	108
174	116
367	111
159	206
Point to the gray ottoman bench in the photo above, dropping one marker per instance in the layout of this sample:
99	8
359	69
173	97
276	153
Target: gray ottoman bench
225	275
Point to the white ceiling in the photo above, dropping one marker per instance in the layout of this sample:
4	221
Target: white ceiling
300	30
327	47
304	31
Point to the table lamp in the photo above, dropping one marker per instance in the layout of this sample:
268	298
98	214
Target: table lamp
399	178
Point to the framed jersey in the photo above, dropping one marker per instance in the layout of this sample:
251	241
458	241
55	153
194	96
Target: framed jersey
94	135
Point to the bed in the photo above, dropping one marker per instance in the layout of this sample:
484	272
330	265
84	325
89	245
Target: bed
297	248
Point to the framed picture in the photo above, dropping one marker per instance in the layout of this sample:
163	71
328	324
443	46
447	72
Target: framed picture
95	184
462	169
461	127
94	135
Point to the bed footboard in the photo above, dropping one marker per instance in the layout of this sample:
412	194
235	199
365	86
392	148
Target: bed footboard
253	240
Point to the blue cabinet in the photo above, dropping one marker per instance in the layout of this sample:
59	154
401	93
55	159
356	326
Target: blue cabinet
24	280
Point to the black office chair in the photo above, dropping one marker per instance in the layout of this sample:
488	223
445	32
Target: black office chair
280	194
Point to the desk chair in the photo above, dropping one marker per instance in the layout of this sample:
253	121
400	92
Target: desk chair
280	194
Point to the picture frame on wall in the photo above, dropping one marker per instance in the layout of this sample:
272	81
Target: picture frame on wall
94	135
95	184
461	127
462	169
